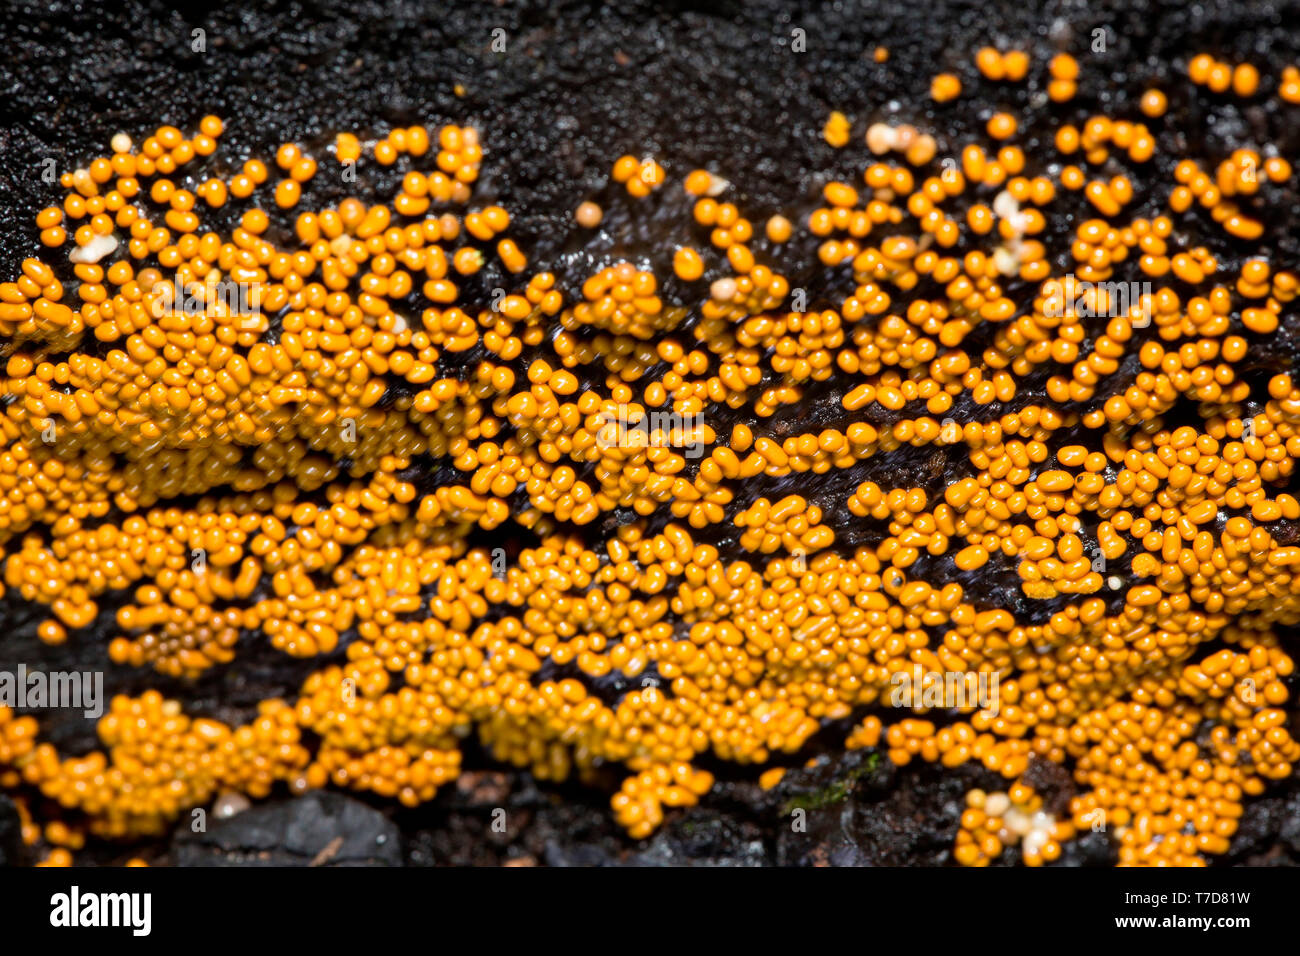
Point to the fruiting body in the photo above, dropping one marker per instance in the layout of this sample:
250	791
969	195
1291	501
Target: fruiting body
164	444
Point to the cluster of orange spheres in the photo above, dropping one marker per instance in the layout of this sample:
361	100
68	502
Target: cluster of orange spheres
190	470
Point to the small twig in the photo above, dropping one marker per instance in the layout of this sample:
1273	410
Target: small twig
327	854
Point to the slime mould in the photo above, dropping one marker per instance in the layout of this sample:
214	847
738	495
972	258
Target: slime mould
315	429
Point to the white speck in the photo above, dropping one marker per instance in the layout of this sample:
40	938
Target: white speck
1017	821
1005	205
83	184
880	138
717	185
1034	841
1006	261
230	804
94	250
